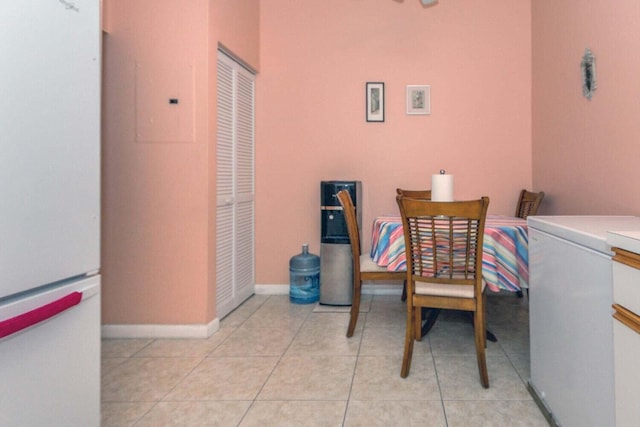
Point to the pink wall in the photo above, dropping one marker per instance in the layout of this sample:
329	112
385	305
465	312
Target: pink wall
236	24
315	57
585	153
158	185
315	60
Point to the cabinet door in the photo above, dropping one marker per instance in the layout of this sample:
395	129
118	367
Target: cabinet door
235	248
626	336
571	330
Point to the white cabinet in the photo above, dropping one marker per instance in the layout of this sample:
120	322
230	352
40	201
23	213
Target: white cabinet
626	330
571	329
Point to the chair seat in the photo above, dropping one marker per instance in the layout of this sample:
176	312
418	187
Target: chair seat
446	290
368	265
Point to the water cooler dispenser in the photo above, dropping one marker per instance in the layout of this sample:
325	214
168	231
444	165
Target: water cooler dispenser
336	268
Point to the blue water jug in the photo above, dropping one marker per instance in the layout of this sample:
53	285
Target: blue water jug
304	270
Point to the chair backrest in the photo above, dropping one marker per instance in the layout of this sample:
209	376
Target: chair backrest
444	240
414	194
352	226
528	203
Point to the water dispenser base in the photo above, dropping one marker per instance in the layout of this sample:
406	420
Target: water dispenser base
336	274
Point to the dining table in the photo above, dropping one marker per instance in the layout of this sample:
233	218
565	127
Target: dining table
505	254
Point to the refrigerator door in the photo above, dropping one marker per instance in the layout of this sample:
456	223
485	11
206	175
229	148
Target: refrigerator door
50	142
51	370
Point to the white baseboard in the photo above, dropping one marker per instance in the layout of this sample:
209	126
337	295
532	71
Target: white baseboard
161	331
206	330
379	288
391	288
271	289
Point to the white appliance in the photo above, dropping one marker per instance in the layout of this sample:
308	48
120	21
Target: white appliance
626	324
50	213
571	331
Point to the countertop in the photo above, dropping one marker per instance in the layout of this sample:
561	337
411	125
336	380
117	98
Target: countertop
587	230
628	240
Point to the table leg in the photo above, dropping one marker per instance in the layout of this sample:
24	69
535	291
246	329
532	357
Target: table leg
490	336
431	315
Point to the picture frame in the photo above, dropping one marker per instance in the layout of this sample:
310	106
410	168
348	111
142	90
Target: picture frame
418	99
375	101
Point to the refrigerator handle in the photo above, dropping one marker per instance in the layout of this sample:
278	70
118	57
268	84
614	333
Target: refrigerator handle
22	321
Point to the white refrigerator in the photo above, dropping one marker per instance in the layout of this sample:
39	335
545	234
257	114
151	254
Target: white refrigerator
571	328
50	213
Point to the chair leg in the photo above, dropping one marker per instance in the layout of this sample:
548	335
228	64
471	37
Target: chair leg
417	323
481	342
355	309
403	298
484	329
409	338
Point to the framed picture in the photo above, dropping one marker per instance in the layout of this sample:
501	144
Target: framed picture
375	102
418	99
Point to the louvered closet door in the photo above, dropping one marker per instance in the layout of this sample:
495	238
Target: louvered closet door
235	186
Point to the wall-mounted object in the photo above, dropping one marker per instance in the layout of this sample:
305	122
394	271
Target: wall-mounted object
418	99
165	98
588	67
375	102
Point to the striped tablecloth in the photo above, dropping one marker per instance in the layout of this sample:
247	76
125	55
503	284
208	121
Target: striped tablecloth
505	257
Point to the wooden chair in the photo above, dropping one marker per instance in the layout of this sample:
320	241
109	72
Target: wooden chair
528	203
364	268
414	194
444	266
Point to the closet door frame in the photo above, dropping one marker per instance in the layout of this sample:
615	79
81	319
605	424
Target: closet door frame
235	185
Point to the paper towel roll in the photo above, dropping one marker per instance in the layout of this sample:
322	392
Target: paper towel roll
442	188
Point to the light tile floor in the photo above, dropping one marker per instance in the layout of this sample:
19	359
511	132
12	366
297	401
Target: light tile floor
273	363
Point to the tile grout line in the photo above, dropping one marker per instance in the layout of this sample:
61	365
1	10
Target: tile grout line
355	366
435	369
275	366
